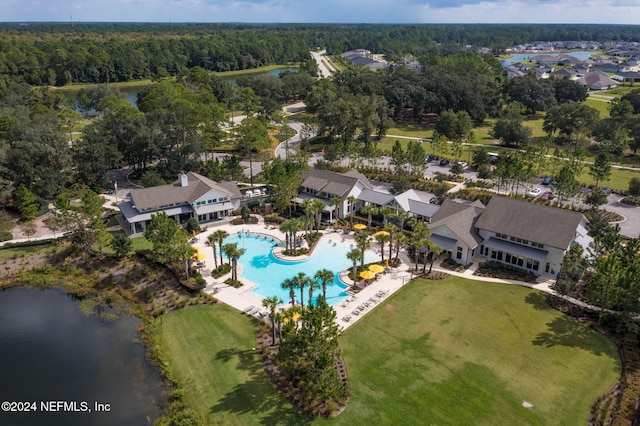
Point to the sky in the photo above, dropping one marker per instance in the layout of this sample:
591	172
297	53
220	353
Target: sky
325	11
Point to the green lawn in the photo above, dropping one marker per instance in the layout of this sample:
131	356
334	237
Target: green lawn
437	352
463	352
211	352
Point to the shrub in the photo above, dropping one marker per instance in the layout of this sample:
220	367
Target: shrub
6	236
634	186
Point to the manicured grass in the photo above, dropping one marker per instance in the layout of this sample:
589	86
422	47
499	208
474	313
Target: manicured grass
437	352
464	352
210	349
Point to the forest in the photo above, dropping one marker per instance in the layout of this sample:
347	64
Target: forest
57	54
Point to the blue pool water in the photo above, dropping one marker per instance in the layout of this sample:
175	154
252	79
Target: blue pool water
263	268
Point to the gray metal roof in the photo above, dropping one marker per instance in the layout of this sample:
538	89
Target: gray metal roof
423	209
336	184
176	194
443	242
375	197
132	215
533	222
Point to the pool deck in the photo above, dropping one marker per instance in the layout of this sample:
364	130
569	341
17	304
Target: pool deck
246	301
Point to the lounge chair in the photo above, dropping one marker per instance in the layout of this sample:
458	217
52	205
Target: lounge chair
355	312
248	309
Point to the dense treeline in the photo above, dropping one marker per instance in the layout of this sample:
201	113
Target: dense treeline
58	54
90	58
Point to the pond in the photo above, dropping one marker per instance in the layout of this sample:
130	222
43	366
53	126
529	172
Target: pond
53	352
582	55
131	92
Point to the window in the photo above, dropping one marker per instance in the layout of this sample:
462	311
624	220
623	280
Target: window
537	245
459	253
503	236
546	268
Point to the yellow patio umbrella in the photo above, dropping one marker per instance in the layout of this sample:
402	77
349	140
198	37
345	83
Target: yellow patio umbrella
294	317
197	249
376	268
359	226
199	256
381	233
367	275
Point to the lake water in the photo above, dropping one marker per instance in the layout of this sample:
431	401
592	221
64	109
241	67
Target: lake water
50	351
131	92
580	54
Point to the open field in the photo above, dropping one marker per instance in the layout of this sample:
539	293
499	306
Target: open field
437	352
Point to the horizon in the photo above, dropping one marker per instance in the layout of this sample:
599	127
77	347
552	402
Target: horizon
401	12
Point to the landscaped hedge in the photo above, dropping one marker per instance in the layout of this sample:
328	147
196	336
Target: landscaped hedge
500	270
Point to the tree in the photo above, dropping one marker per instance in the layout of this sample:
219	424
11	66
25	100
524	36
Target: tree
571	119
534	94
382	238
121	245
569	91
25	202
325	276
600	170
363	242
272	303
634	186
168	239
313	286
252	136
29	229
336	202
573	267
218	237
211	242
233	254
354	256
291	285
511	131
369	210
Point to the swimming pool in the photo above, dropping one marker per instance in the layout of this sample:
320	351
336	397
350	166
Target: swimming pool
263	268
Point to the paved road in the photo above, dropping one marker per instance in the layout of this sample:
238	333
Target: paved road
325	68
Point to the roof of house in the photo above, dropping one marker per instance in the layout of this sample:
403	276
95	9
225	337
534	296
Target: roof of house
460	219
175	193
597	78
375	197
546	225
337	184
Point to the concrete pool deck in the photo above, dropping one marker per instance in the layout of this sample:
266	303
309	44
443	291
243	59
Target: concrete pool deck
243	298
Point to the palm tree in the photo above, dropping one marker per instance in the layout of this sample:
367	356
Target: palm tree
352	208
436	250
401	240
369	210
271	303
393	232
290	228
291	285
325	276
363	242
382	238
336	202
402	216
317	207
220	236
354	255
211	242
233	253
313	285
385	212
302	280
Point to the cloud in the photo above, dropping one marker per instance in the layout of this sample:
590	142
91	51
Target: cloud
326	11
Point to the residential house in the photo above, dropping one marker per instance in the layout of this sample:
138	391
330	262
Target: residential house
597	80
565	74
192	195
627	77
525	235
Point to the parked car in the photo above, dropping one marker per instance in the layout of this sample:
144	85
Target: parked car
444	162
534	192
547	195
547	180
427	158
606	191
463	164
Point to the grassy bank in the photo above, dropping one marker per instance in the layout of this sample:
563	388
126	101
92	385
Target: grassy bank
210	350
440	352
